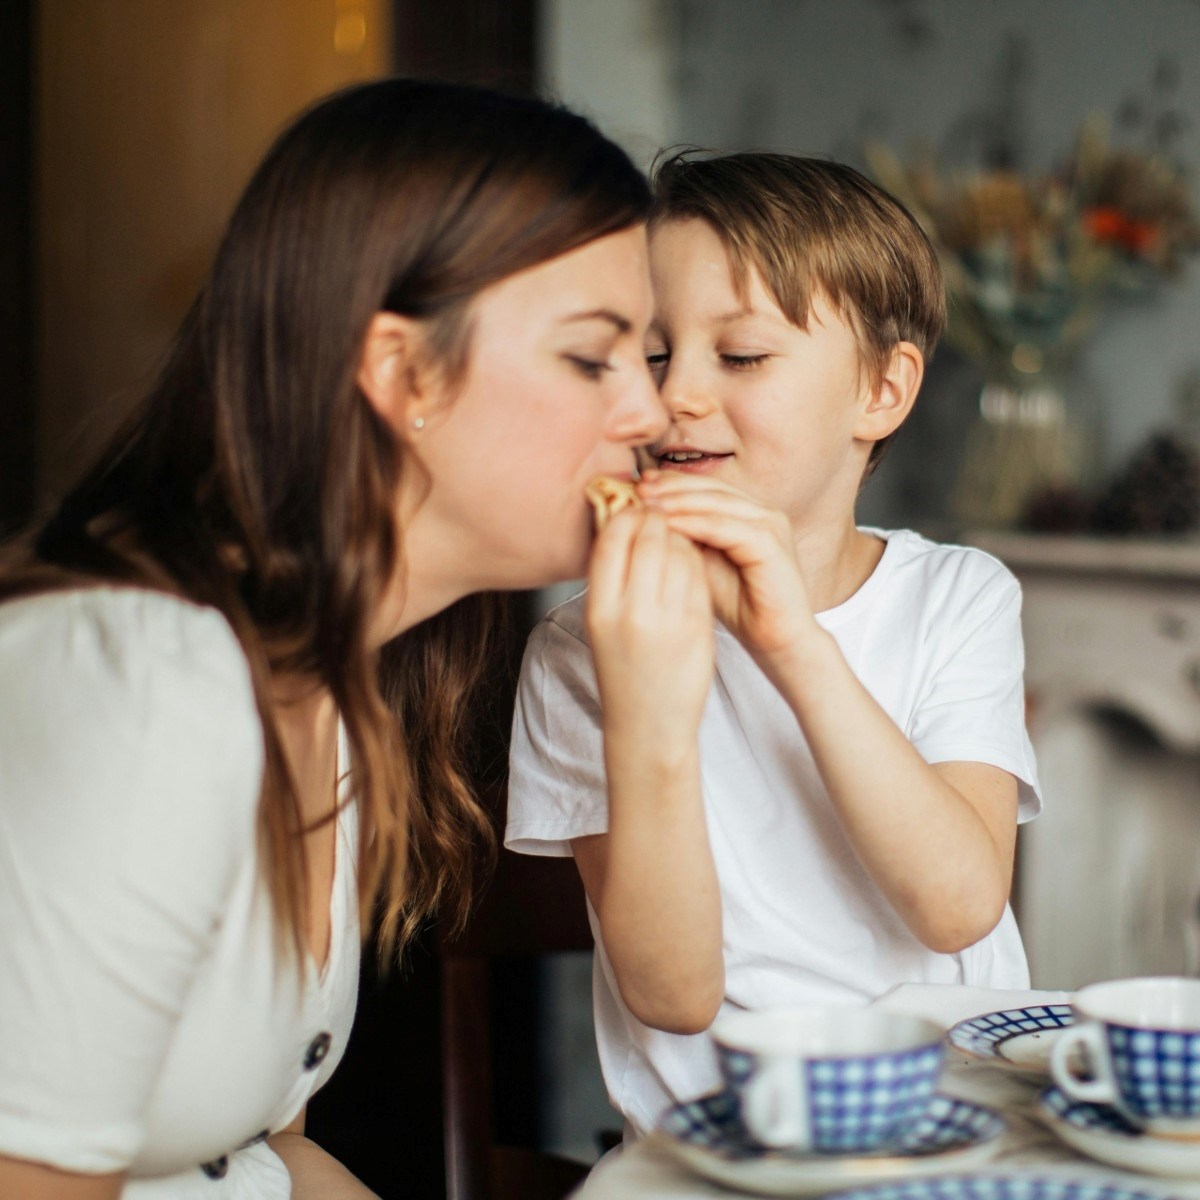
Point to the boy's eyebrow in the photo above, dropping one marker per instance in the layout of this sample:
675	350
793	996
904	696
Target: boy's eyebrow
741	314
623	324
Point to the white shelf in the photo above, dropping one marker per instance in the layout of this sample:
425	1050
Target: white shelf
1166	557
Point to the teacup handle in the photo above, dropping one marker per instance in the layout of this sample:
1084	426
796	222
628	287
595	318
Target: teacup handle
1089	1038
774	1106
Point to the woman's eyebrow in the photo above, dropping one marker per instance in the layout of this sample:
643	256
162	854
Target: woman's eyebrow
623	324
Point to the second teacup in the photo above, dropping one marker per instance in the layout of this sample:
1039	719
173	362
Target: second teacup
829	1080
1140	1042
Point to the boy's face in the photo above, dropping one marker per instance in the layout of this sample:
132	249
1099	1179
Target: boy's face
753	400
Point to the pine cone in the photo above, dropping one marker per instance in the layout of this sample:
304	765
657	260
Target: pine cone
1158	492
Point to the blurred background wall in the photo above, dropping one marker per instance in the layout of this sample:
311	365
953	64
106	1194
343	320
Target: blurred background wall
149	118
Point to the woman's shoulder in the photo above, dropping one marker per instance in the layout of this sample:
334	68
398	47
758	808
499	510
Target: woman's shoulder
122	667
120	631
131	751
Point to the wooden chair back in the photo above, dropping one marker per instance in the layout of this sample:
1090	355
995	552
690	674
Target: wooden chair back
531	908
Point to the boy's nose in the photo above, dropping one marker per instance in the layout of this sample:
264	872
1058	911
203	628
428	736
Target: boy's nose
682	396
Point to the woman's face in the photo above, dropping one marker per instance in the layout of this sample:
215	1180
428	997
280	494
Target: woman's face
556	391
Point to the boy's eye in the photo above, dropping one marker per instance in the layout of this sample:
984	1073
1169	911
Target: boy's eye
744	362
657	361
590	368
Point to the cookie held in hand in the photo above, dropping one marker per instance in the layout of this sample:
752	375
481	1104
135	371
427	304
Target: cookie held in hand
608	496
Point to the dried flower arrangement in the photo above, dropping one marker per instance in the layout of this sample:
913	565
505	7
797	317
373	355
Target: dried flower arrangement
1031	259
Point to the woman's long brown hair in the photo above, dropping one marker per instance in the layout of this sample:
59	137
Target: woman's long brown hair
256	479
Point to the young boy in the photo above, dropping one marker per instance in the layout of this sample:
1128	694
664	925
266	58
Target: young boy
862	761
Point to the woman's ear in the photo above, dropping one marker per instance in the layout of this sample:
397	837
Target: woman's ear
891	403
391	372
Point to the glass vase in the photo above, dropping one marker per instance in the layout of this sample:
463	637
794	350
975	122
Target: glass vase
1026	442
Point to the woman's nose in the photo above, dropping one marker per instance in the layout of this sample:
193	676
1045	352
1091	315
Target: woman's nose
641	417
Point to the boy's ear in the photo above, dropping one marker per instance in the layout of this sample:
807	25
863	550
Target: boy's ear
392	373
887	408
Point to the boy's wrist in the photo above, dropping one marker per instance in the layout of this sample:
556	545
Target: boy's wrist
799	670
660	762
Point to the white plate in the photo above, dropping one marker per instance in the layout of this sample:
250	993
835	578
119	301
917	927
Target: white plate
1100	1132
707	1136
1018	1039
1023	1186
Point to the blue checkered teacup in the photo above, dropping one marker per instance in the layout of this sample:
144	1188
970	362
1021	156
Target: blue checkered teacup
1138	1040
829	1080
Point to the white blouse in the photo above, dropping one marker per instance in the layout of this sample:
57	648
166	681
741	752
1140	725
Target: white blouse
147	1022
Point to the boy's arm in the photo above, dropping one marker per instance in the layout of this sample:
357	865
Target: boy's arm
605	755
937	840
652	884
651	878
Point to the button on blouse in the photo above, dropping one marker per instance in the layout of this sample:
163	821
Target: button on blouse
317	1049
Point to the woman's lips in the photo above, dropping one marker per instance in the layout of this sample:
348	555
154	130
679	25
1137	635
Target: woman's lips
694	464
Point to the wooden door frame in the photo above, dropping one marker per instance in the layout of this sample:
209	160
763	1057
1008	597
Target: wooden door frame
468	41
17	329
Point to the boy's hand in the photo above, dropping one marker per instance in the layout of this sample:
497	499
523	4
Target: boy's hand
757	589
649	618
650	876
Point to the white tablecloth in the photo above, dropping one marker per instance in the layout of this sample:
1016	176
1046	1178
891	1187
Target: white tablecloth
645	1171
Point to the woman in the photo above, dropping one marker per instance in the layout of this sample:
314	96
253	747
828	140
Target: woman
233	664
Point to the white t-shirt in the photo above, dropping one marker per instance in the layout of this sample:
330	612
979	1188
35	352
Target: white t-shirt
147	1022
934	634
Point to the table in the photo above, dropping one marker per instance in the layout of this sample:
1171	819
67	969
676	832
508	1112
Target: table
645	1171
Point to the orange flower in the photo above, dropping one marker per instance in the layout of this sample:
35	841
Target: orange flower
1108	224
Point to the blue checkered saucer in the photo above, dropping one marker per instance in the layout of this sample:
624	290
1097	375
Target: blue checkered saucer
1014	1186
1017	1038
1102	1133
707	1135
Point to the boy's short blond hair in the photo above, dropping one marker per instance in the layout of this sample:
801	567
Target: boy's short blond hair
808	224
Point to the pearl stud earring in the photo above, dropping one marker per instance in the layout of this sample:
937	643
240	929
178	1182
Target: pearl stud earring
418	423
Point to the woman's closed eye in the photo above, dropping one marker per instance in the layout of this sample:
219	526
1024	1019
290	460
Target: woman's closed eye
590	368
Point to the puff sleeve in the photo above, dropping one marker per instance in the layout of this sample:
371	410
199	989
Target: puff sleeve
556	787
130	769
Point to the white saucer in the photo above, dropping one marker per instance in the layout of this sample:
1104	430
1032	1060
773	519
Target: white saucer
1009	1186
707	1136
1019	1039
1102	1133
